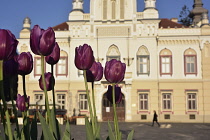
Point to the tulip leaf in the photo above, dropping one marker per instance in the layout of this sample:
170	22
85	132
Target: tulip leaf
130	135
26	128
45	128
111	134
98	130
54	124
1	138
89	130
67	134
33	131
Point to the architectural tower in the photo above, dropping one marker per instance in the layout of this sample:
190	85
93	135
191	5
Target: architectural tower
197	12
150	10
25	32
77	10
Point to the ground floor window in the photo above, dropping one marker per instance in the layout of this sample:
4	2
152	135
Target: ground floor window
83	104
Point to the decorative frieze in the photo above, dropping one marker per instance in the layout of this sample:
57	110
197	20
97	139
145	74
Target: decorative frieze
113	31
178	42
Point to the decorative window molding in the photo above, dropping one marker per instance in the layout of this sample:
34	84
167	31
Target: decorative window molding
190	62
61	100
113	53
166	66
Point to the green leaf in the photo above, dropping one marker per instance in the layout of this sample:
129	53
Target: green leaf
130	135
110	132
54	125
26	128
22	135
45	128
33	131
89	130
98	130
67	134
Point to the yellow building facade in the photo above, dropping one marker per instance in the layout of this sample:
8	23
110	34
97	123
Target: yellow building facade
167	64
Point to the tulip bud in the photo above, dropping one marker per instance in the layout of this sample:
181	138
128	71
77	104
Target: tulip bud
95	73
42	41
21	103
8	45
114	71
54	57
49	79
25	63
118	94
84	57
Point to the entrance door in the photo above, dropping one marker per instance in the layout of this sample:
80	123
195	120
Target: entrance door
108	112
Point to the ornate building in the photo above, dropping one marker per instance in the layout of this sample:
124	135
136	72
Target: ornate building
168	64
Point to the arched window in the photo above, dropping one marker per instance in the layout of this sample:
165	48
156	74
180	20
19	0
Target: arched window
166	62
113	53
143	61
62	65
190	62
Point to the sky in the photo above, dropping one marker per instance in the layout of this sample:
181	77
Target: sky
49	13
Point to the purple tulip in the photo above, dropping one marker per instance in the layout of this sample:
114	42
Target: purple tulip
42	41
21	102
95	73
54	57
114	71
25	63
48	79
118	94
84	57
10	80
8	45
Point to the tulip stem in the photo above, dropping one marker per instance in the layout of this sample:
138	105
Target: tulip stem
45	89
116	127
89	102
53	89
8	128
94	105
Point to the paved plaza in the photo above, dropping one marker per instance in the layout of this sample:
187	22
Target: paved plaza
144	131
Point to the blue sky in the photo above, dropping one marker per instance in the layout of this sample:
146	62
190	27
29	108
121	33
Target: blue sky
48	13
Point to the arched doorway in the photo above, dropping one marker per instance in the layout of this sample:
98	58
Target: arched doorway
108	112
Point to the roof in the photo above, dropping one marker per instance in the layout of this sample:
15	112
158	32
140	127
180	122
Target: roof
167	23
61	27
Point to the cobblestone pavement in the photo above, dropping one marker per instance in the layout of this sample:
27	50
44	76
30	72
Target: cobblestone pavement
144	131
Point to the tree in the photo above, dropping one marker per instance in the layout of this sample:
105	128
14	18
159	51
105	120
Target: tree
184	16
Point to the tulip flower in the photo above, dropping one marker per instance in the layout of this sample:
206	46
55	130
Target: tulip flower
54	57
25	63
95	73
114	71
48	79
10	80
22	103
42	41
8	45
84	57
118	94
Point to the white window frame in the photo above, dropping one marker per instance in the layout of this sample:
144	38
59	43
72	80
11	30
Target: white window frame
192	101
61	101
145	65
82	102
144	101
62	67
166	100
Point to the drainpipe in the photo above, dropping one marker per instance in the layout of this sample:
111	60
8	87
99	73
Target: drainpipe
158	82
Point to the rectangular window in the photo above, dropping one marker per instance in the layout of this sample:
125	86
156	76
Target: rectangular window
143	101
113	57
190	65
83	105
191	101
166	66
61	100
37	66
142	65
62	66
166	100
